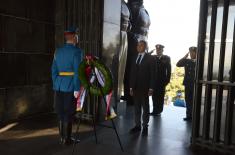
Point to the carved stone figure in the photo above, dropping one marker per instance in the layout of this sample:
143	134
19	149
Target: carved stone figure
140	22
125	27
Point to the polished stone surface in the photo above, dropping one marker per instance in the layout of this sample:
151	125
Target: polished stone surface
168	135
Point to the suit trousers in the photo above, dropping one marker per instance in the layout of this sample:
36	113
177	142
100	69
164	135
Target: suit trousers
141	104
189	100
158	99
65	105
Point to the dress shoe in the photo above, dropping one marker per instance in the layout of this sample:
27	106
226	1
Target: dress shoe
71	140
135	129
188	119
75	140
68	141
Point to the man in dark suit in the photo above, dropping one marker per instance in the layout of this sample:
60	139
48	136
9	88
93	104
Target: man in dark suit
141	86
162	73
189	76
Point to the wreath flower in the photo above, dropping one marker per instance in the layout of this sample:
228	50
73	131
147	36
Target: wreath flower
88	70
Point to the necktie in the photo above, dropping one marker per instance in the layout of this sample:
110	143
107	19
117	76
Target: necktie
138	60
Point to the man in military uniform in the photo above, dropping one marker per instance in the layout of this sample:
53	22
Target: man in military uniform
189	76
66	83
162	72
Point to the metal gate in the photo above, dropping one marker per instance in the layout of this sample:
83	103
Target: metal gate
214	110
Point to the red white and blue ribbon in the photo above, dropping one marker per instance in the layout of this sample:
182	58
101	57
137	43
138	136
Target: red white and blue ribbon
110	113
81	98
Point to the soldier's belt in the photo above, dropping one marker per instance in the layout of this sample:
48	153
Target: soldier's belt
66	73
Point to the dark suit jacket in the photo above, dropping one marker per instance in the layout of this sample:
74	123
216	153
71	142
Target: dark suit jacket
162	70
142	77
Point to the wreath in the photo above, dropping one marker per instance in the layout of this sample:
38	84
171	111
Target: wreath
91	69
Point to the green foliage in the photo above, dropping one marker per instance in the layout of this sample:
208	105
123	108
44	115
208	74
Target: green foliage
176	83
104	71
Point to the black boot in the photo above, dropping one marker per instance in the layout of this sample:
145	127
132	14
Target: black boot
67	133
61	132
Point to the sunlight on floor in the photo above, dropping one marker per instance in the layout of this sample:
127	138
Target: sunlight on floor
8	127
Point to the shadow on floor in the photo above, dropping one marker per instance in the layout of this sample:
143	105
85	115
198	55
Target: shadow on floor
168	135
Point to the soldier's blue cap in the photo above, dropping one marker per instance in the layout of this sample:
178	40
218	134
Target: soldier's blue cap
159	46
193	48
71	30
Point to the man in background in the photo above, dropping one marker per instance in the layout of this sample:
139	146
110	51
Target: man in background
189	76
162	76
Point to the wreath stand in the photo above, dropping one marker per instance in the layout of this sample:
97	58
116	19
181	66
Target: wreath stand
80	116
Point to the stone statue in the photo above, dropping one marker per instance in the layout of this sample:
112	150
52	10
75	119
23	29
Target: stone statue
140	22
125	27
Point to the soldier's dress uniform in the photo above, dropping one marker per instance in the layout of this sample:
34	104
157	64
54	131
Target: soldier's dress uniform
65	81
162	72
189	66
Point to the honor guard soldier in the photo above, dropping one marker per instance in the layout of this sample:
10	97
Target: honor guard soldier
189	76
162	73
66	83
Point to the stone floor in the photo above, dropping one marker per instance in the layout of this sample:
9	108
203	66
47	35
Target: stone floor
168	135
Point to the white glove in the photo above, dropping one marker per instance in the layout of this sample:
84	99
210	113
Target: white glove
75	93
